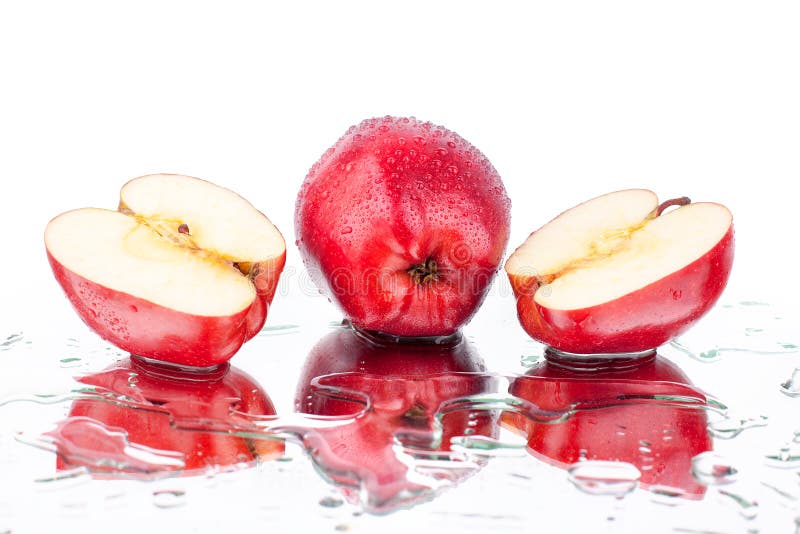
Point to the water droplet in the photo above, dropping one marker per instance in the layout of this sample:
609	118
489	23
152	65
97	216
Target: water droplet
667	495
792	386
169	498
598	477
711	469
347	230
786	458
331	502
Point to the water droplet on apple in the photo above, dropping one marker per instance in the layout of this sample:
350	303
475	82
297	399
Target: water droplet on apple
347	230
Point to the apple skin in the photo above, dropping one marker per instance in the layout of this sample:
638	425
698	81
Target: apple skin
392	194
639	321
153	331
165	409
405	384
673	434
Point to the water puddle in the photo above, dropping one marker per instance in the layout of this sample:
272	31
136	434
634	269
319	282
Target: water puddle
746	326
390	425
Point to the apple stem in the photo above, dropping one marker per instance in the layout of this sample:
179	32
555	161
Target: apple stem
681	201
184	229
425	272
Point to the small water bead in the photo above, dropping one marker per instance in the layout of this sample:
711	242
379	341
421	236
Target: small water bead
331	502
169	498
791	387
787	457
597	477
711	469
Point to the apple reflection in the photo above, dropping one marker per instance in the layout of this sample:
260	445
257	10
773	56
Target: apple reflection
396	449
645	413
143	418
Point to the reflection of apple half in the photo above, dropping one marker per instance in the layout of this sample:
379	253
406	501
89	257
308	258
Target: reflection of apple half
184	272
618	273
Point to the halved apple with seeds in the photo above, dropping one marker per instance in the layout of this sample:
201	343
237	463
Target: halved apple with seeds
621	273
184	272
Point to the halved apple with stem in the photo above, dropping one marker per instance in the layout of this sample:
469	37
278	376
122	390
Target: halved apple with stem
621	272
184	272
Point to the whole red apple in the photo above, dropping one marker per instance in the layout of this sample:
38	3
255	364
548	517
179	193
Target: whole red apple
393	391
403	224
184	271
619	273
149	419
620	415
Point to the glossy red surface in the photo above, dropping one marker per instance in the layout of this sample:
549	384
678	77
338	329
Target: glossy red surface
146	329
618	418
395	390
392	194
642	320
165	410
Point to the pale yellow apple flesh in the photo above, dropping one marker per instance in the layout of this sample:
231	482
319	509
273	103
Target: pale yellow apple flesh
215	219
614	245
125	254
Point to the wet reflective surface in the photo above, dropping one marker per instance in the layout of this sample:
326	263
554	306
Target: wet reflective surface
315	425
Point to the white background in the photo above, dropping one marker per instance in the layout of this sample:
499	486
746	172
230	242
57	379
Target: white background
567	99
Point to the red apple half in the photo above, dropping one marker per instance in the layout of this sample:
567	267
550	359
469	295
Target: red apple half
184	272
618	273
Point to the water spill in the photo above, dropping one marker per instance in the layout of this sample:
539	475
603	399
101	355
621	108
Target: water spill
788	457
731	426
667	496
785	494
747	327
387	424
278	330
168	498
791	387
748	508
67	363
10	341
596	477
64	479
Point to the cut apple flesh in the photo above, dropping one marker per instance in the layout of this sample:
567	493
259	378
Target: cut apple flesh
660	247
184	272
203	215
614	245
621	273
124	254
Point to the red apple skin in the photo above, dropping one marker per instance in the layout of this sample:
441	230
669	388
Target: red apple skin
405	384
642	320
153	331
266	276
155	406
672	434
389	195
